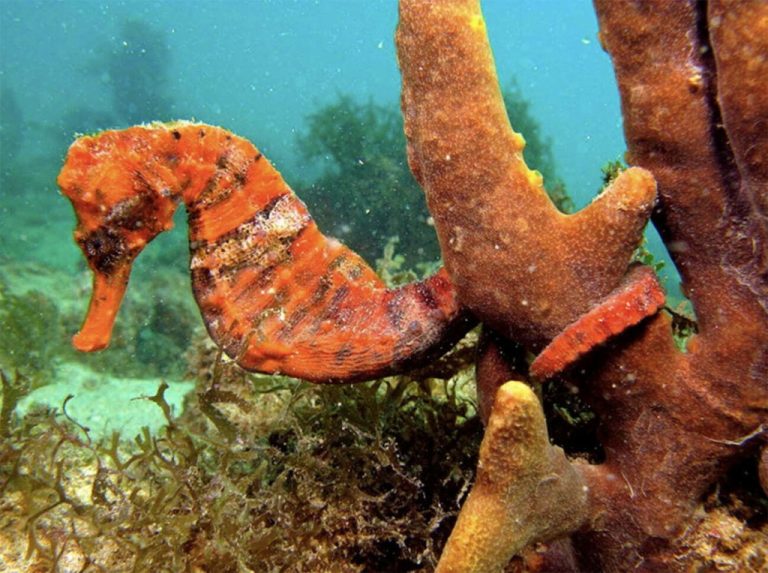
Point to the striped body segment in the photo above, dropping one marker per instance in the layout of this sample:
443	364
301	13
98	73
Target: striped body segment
275	293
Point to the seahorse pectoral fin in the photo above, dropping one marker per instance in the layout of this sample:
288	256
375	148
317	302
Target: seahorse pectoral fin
108	292
638	296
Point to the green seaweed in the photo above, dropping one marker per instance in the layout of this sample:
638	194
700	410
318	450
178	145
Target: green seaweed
610	171
13	390
343	478
360	148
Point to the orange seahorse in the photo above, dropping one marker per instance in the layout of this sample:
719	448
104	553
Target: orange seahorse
274	292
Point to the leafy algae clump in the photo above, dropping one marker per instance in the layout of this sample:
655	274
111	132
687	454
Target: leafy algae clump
260	473
365	192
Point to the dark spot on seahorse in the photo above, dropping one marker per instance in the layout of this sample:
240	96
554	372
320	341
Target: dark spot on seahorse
193	215
323	287
201	133
292	322
257	157
222	161
203	280
355	272
140	211
333	308
255	284
262	281
211	186
104	248
241	177
176	134
141	185
337	262
265	211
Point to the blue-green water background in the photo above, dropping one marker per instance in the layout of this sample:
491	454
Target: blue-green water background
260	68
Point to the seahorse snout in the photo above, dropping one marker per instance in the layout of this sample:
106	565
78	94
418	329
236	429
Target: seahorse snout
108	291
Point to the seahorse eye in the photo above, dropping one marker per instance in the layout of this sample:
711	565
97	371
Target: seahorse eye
104	248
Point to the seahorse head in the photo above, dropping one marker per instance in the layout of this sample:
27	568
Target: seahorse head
124	194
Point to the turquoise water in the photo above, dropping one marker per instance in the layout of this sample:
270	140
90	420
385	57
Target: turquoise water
260	69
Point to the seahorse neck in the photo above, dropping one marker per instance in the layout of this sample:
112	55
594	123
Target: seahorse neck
225	181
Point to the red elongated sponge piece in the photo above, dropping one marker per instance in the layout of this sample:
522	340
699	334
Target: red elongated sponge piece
640	295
